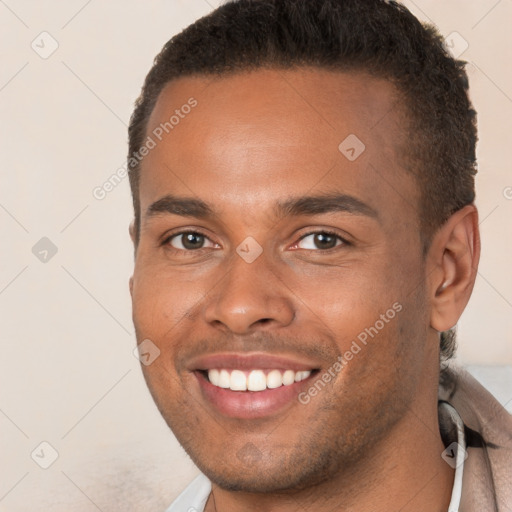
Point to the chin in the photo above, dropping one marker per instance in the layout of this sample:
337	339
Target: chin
295	473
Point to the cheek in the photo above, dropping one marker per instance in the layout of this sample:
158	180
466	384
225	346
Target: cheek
346	298
390	347
162	300
370	310
160	312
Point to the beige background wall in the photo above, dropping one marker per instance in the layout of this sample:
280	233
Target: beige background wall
68	375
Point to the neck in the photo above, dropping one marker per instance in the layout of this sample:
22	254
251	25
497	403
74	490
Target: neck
404	471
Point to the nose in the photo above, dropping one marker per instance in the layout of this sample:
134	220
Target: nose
250	297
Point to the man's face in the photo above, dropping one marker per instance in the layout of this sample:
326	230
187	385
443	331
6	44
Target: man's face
336	275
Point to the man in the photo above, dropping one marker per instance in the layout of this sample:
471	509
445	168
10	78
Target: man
305	237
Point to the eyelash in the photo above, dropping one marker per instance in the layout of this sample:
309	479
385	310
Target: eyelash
344	242
167	240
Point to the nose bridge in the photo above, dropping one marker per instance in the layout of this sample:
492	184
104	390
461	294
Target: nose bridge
249	297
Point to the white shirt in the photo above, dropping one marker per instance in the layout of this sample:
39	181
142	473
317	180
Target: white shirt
195	496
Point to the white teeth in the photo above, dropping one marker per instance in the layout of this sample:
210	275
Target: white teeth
274	379
224	379
213	376
288	377
238	381
256	380
302	375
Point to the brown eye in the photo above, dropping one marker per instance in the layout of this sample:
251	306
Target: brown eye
189	241
320	240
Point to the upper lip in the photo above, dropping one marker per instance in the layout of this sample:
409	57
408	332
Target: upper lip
250	361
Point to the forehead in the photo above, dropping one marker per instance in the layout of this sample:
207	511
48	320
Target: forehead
252	137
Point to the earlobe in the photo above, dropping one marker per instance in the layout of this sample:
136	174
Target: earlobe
453	262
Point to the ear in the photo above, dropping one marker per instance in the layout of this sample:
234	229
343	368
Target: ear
131	230
452	267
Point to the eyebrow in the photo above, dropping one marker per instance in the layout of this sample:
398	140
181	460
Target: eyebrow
183	206
325	203
294	206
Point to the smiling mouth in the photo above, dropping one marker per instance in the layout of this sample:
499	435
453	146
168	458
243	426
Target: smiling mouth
251	386
254	380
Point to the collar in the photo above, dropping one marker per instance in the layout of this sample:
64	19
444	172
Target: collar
455	453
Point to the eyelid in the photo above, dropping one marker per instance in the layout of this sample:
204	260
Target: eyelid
166	240
330	232
183	231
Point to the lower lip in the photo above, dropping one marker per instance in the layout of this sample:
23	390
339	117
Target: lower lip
250	404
